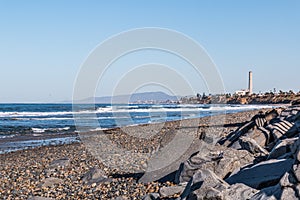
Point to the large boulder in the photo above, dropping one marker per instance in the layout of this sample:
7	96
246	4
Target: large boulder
285	148
279	128
206	185
269	193
263	174
159	170
239	191
286	189
251	145
218	159
291	114
260	135
171	190
254	129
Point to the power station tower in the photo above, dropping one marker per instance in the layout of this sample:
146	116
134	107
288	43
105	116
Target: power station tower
250	88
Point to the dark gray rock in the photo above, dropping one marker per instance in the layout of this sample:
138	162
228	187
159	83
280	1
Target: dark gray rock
263	174
251	145
207	185
172	190
254	129
220	160
151	196
50	182
286	188
95	175
260	135
284	148
279	128
63	162
56	164
120	198
239	191
39	198
233	138
269	193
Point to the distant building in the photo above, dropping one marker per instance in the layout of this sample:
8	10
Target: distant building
241	92
250	85
248	91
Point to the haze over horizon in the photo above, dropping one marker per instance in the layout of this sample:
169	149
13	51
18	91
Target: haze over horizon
44	44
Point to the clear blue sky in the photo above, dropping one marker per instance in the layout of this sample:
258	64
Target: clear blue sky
43	43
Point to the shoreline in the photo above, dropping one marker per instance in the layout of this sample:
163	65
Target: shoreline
33	168
24	141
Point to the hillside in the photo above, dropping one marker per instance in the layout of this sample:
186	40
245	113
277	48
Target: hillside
145	97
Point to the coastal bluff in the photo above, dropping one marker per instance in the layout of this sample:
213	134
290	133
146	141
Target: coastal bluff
266	98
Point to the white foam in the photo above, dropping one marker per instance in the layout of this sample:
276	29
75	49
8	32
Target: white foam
38	130
7	136
131	109
42	130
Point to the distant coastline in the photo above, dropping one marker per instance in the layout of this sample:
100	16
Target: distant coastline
266	98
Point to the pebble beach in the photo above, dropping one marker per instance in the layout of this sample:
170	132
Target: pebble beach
71	171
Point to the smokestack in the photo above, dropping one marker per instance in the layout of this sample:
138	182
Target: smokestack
250	83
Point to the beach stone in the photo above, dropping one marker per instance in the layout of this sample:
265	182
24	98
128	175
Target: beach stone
239	191
207	185
220	160
120	198
170	191
251	145
39	198
63	162
49	182
284	148
94	175
263	174
151	196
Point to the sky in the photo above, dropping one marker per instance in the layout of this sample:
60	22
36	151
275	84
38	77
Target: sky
43	44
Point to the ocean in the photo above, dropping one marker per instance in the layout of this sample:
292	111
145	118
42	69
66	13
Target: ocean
24	126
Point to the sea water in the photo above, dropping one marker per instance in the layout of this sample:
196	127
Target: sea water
30	125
